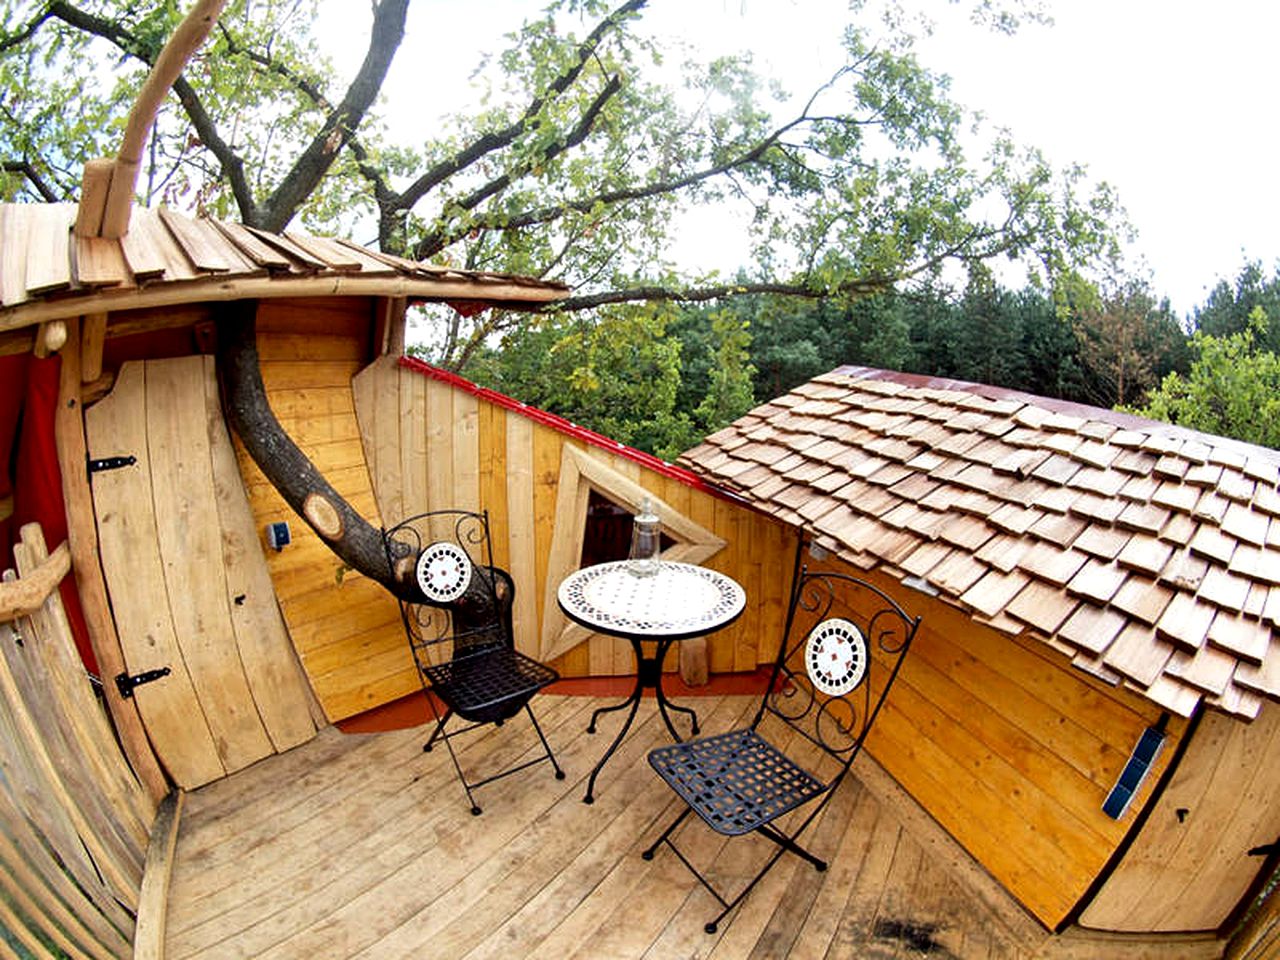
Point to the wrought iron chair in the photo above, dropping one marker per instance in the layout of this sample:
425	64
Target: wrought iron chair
841	651
458	622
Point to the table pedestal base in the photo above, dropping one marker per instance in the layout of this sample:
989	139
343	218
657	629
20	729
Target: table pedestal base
648	676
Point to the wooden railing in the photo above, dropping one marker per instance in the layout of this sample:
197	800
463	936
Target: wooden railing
74	821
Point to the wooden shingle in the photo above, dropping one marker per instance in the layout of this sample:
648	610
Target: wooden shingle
1148	556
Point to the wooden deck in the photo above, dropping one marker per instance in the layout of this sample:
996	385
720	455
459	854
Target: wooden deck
362	846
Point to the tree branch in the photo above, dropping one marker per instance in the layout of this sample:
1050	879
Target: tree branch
33	177
498	139
340	125
25	34
232	164
439	239
863	287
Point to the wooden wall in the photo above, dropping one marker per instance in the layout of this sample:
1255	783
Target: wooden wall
1013	751
434	445
1190	867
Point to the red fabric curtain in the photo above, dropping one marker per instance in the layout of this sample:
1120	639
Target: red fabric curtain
13	383
37	484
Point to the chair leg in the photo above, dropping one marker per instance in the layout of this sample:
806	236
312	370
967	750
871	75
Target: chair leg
784	844
439	732
545	746
648	854
789	844
440	722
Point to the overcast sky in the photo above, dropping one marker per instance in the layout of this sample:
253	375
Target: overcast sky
1172	102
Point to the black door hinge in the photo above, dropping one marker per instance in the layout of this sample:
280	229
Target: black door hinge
1265	850
111	463
126	684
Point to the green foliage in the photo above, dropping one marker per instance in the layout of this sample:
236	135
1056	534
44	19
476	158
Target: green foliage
618	376
577	161
729	391
1232	389
1229	306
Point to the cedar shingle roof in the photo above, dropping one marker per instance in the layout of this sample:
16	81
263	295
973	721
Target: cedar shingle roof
1148	554
47	272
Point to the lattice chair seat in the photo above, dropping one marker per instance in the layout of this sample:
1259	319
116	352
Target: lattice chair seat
491	685
735	781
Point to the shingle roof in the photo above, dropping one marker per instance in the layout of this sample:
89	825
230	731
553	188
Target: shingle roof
1148	554
47	272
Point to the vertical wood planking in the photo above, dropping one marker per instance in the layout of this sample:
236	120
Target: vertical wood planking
491	442
191	551
411	428
86	564
466	453
269	662
440	480
480	454
522	536
135	576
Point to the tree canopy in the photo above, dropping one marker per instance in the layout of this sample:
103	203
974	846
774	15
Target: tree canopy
1232	388
577	164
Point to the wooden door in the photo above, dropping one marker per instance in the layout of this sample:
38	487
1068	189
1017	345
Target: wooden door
188	582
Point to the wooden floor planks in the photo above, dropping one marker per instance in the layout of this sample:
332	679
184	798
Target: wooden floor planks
362	846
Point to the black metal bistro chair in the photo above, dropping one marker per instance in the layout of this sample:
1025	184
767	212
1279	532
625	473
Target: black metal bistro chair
459	628
841	651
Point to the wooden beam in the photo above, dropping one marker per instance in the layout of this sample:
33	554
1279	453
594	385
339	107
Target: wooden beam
186	39
388	328
153	901
92	337
93	196
21	598
509	294
82	538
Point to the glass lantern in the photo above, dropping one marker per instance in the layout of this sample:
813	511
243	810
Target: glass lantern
646	541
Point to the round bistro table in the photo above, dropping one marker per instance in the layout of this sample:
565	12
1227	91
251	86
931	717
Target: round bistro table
680	601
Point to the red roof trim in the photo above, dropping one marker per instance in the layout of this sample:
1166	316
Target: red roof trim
570	429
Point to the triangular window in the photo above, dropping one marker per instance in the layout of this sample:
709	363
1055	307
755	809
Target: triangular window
607	535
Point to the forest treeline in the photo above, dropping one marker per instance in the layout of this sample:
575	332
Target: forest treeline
661	376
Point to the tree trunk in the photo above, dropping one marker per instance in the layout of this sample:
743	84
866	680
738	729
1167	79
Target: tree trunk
356	542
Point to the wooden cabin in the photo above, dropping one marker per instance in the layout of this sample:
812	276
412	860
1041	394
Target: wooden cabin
1087	586
1088	581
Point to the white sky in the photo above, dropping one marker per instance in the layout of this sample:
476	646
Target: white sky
1173	102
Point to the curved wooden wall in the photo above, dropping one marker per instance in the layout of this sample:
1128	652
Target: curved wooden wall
345	627
1190	866
1013	751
